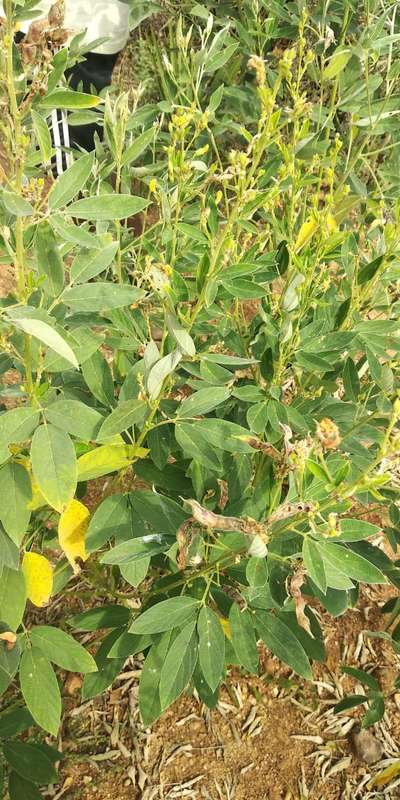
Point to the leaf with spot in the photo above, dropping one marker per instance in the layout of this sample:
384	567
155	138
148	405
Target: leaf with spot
179	664
244	637
211	647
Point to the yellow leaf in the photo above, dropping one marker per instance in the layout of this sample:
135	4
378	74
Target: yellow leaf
38	574
226	627
72	527
392	771
108	458
305	233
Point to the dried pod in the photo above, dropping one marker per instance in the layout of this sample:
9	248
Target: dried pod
56	14
36	31
28	53
9	638
295	590
59	36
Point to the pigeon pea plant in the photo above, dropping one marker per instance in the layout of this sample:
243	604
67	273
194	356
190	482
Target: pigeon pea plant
204	322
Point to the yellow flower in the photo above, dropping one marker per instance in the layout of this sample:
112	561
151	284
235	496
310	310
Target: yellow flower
153	185
328	434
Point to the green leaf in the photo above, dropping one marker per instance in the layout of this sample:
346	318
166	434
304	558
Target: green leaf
375	712
75	418
107	616
166	615
42	134
362	677
15	722
48	336
354	530
211	647
244	638
283	643
16	205
12	597
203	401
351	701
16	426
141	10
21	789
215	61
124	416
160	512
9	552
337	63
161	369
194	446
15	494
216	98
54	465
350	563
127	645
209	698
48	260
314	563
138	146
107	669
181	336
65	98
179	665
62	649
107	458
30	762
86	266
112	518
108	207
136	549
149	697
84	343
101	296
351	380
135	572
368	271
192	232
40	690
98	377
70	182
257	417
243	289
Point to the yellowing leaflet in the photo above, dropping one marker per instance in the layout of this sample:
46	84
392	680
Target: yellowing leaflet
72	527
38	574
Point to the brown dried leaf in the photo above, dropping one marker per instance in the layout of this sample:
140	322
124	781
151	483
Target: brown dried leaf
9	638
300	603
